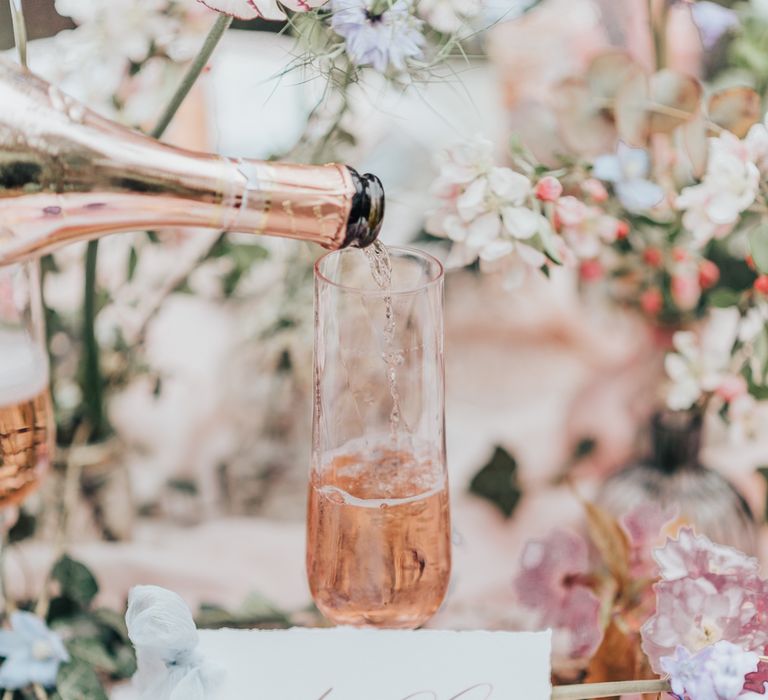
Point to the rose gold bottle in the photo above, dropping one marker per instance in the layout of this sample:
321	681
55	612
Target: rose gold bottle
378	524
67	174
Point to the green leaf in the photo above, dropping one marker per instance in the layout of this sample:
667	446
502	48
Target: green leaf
758	246
92	652
723	298
78	681
76	581
255	611
497	482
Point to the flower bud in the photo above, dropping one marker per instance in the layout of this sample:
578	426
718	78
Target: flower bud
651	301
709	274
548	189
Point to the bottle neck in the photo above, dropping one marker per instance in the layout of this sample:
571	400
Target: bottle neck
331	205
70	175
676	438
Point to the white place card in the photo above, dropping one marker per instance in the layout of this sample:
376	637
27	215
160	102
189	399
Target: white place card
352	664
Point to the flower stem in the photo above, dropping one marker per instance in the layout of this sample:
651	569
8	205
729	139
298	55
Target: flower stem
92	381
93	388
223	23
608	690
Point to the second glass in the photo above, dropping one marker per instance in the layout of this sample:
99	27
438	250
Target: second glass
378	534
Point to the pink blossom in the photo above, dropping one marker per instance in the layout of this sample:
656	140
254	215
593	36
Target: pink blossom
585	228
652	301
571	211
551	582
595	189
686	290
693	556
268	9
708	593
591	270
709	274
644	526
732	387
548	189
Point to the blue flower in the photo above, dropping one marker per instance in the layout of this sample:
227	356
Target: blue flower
32	653
628	170
712	21
378	38
716	672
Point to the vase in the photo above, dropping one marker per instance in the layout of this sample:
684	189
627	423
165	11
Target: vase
673	477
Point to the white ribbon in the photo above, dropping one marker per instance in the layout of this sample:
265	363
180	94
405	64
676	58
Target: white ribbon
161	628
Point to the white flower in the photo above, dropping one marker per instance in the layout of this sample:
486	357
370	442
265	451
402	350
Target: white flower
700	363
728	188
585	228
489	212
449	16
375	38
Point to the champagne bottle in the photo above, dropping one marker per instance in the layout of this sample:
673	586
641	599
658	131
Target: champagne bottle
67	174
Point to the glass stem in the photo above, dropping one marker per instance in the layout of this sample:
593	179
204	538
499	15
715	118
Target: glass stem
93	389
19	31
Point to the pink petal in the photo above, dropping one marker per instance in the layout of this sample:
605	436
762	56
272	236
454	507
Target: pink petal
246	9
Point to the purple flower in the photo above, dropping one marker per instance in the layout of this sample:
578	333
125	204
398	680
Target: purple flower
717	672
712	21
378	36
628	170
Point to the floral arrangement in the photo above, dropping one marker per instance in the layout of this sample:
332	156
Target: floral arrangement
692	612
658	196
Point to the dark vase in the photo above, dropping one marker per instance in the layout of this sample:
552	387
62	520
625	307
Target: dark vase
673	476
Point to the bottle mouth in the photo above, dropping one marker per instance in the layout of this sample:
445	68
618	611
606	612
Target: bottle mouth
367	211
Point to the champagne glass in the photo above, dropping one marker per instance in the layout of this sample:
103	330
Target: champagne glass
378	533
26	418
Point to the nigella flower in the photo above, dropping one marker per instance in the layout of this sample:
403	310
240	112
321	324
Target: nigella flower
717	672
628	170
32	653
378	34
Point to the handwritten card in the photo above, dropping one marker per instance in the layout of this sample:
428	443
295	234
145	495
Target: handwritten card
350	664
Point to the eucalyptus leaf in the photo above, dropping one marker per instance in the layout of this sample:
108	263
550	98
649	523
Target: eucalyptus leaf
497	482
736	109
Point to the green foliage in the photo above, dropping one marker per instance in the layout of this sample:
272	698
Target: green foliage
256	611
96	638
758	246
497	482
77	680
76	581
763	471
